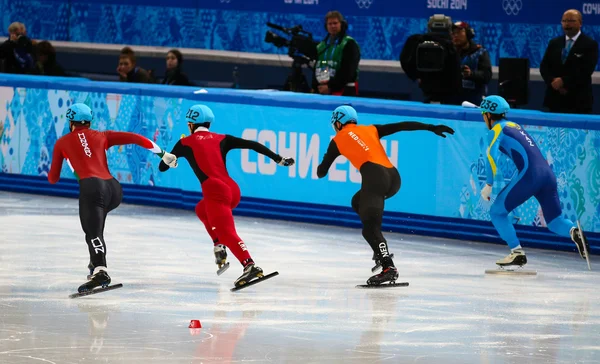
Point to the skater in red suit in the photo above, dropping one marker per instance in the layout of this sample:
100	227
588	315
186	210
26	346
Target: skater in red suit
99	192
206	153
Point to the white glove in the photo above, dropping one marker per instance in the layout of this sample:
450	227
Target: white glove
286	162
170	160
486	192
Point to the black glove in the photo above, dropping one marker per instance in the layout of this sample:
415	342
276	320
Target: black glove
286	162
441	129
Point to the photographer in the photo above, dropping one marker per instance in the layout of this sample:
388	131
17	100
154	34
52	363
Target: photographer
338	56
475	62
17	53
432	61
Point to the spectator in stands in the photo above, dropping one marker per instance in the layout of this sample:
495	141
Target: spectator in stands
338	56
129	71
174	75
46	60
16	53
475	63
567	68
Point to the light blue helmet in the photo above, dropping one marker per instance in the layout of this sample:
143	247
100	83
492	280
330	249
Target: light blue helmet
79	113
495	105
344	114
199	114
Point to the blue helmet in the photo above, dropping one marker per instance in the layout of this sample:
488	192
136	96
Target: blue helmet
79	113
199	114
344	114
495	105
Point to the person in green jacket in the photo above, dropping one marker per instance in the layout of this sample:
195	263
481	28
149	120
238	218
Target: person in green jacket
338	55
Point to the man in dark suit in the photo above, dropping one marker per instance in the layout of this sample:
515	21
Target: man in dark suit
567	68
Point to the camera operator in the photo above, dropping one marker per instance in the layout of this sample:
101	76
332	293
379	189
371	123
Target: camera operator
475	62
338	56
432	61
17	53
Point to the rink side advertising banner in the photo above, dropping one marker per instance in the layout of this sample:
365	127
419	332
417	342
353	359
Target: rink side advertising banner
520	11
440	177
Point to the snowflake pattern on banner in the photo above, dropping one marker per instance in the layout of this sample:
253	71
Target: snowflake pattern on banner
33	119
573	156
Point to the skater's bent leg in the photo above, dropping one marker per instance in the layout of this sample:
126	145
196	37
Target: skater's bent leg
371	216
116	195
202	215
550	204
355	203
561	226
95	199
512	196
219	197
505	228
220	216
92	221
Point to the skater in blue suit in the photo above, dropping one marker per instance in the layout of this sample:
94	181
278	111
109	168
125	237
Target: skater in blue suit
535	178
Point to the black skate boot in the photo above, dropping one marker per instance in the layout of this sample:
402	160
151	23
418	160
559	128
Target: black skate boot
91	268
377	260
99	279
580	242
251	272
389	274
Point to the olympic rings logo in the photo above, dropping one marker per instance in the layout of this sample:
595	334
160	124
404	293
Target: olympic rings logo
512	7
364	4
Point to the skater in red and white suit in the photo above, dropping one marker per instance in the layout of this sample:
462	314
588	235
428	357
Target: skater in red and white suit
206	153
99	192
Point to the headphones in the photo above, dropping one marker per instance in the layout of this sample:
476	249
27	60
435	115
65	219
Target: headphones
342	20
468	30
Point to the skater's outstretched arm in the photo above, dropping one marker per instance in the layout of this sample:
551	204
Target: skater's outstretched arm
389	129
232	142
332	153
122	138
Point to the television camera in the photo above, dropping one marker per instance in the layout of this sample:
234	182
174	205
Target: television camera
302	48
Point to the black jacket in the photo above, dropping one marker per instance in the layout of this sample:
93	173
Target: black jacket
480	76
17	56
138	75
441	86
176	77
576	73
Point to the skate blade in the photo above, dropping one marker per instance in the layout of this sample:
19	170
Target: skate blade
385	285
511	270
585	244
96	290
378	266
257	280
223	269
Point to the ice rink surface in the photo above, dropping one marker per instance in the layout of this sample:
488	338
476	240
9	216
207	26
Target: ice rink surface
311	313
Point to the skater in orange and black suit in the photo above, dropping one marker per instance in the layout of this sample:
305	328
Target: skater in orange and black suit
380	179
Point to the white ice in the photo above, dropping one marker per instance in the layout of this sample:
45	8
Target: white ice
311	313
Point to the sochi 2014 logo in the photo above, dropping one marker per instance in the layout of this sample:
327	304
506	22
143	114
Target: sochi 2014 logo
364	4
512	7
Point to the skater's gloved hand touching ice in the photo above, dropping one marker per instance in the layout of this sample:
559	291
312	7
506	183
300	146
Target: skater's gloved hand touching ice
486	192
286	162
